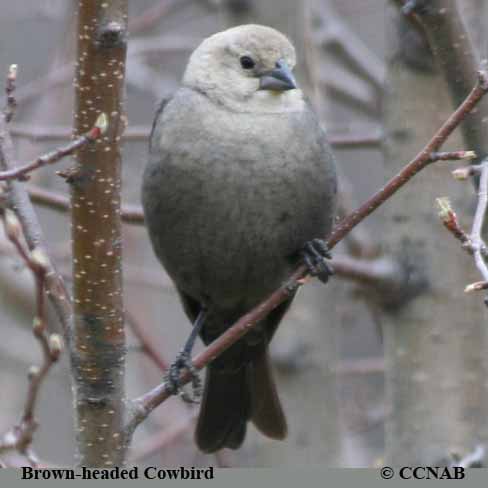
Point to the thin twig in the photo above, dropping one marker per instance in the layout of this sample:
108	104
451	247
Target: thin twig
376	271
150	17
36	88
18	200
20	436
474	242
354	90
476	286
452	156
161	440
359	242
15	220
9	90
480	214
333	31
55	132
362	366
477	242
130	214
147	402
451	223
38	133
21	173
147	345
355	137
474	459
467	171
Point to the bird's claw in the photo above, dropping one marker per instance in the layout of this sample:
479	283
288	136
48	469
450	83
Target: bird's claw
183	361
314	254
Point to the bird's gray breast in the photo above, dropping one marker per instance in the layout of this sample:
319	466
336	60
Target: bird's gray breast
237	195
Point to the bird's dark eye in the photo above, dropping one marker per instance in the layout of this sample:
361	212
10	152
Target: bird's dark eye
247	62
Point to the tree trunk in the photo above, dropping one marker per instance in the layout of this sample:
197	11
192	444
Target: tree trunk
98	339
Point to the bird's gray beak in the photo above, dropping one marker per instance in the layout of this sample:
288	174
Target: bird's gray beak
279	79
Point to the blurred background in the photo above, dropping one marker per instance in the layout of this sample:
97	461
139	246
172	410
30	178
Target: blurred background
386	362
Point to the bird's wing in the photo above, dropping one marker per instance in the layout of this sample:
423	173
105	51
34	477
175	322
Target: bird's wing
159	110
191	306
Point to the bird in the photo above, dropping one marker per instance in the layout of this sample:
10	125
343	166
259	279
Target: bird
239	189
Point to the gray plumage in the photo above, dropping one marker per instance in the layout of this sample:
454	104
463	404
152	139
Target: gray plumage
238	180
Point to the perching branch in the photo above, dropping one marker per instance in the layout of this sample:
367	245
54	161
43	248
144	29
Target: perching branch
143	405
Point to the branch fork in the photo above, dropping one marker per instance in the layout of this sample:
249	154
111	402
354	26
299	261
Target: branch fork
22	173
473	243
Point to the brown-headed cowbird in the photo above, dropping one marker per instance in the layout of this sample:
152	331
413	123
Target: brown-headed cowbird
239	186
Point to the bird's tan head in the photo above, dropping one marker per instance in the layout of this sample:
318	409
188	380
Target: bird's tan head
246	68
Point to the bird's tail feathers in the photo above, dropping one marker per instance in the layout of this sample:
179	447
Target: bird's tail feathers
266	410
231	398
224	411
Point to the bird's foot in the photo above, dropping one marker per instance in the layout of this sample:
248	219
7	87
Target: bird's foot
183	361
314	254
